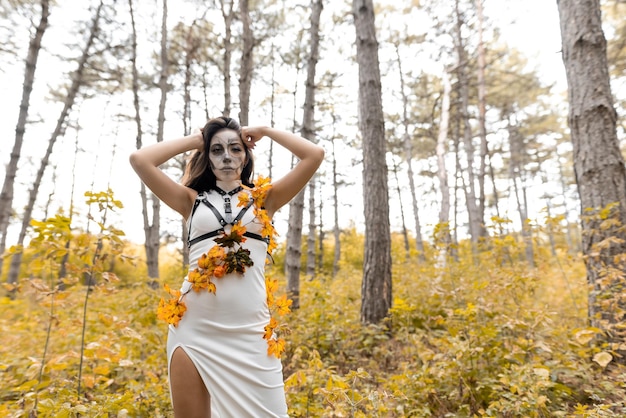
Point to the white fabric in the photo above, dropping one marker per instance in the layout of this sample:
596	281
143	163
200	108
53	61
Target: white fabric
222	333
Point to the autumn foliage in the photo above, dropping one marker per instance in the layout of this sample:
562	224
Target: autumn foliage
469	335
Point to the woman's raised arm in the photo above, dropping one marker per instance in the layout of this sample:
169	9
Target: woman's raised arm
288	186
146	162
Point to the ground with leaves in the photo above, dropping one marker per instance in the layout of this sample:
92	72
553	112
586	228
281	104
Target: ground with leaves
482	336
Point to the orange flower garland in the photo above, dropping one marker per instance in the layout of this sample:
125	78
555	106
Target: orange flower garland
229	257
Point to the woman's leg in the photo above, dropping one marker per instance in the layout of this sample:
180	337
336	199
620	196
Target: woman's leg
190	396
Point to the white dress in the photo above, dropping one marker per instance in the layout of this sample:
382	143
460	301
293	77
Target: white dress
222	333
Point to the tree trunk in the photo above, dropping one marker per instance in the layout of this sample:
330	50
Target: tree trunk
523	215
408	151
516	167
405	233
376	288
59	130
572	243
550	222
336	230
310	241
153	231
228	52
598	163
6	196
482	106
293	253
321	236
64	261
270	152
296	207
492	176
192	44
475	220
247	64
442	172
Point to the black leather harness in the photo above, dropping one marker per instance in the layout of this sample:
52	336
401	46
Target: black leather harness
222	222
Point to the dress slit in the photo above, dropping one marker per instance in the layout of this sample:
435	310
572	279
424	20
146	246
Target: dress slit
195	365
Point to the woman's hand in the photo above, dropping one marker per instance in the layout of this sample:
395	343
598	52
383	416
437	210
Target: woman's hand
198	138
251	135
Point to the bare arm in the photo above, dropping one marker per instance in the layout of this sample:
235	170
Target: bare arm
288	186
146	162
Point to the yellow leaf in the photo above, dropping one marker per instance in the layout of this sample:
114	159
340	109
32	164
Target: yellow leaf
106	319
26	386
276	347
102	370
81	408
584	336
89	381
542	371
129	332
603	358
58	366
283	305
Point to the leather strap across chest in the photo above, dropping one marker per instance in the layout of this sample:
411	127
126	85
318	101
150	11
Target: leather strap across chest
221	220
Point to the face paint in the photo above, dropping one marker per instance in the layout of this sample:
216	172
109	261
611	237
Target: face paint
227	155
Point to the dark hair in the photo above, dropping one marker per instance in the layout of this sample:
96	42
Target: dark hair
198	174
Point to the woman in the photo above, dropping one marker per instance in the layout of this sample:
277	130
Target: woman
218	356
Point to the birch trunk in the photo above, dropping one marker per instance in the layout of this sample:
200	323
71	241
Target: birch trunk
311	237
482	111
322	235
405	234
516	168
408	151
59	130
442	172
6	196
246	66
376	288
152	230
336	230
475	222
296	207
228	15
293	253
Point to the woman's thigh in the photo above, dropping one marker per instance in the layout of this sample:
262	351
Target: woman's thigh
190	397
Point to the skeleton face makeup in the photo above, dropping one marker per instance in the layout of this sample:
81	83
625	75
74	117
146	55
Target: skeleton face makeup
227	155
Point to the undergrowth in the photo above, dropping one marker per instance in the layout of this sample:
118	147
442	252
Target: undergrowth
467	336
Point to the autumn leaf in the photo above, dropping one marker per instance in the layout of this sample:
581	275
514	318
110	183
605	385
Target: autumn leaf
269	329
204	261
585	335
171	311
603	358
276	347
244	199
234	237
237	261
283	305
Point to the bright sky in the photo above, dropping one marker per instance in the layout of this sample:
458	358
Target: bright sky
530	25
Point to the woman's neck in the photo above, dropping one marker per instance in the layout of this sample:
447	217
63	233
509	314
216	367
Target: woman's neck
229	185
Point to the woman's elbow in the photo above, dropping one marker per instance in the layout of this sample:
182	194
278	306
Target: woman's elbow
319	154
134	159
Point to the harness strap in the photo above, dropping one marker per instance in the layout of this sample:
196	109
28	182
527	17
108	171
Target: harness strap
220	231
219	216
222	222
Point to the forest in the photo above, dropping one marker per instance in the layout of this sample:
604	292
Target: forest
460	253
